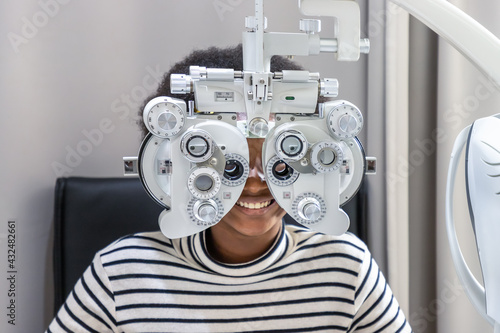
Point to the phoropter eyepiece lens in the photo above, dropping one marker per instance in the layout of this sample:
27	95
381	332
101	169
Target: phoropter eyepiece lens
282	171
197	146
291	146
233	170
204	183
327	157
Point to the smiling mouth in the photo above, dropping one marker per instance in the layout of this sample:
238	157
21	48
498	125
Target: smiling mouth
254	205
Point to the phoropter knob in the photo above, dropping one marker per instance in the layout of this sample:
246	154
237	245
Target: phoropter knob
259	127
309	209
291	145
164	116
181	84
344	120
310	26
197	145
205	211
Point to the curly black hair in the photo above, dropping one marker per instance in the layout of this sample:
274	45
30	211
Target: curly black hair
213	57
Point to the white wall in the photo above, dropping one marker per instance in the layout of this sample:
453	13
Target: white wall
72	74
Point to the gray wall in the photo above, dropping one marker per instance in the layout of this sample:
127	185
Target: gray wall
72	76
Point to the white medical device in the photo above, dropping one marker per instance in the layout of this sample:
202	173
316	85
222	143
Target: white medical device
195	160
482	141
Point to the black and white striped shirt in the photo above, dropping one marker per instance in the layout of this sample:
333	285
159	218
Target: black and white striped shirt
307	282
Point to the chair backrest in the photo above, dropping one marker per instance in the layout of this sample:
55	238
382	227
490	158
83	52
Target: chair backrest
90	213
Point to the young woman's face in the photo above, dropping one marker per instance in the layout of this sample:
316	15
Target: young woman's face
256	212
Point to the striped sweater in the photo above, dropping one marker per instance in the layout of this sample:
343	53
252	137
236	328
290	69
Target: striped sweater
306	282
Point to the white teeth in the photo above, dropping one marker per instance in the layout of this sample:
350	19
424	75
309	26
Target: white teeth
252	205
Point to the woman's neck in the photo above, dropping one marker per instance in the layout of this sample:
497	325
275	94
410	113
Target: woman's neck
227	246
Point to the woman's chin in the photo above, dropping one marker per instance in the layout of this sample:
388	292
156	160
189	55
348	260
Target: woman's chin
254	221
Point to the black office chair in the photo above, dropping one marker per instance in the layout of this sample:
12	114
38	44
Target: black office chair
90	213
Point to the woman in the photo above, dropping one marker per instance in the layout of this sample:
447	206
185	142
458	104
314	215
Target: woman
248	273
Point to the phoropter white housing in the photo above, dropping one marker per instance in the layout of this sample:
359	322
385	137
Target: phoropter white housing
195	161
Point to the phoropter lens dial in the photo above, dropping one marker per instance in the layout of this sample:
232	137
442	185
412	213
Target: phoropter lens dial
204	183
197	145
164	117
291	145
205	212
345	120
280	173
326	156
236	170
308	208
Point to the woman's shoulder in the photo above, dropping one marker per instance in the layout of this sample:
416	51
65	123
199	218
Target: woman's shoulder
346	243
144	242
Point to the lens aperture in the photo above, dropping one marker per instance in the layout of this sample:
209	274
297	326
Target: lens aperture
282	171
327	157
233	170
291	146
197	146
204	183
